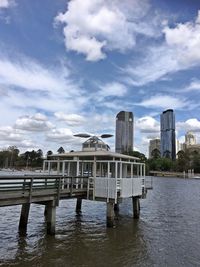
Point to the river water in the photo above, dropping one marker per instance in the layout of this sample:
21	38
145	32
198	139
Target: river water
167	233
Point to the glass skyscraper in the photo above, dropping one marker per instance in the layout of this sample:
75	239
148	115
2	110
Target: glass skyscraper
124	132
168	138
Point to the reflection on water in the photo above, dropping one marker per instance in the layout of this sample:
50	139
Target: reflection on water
167	233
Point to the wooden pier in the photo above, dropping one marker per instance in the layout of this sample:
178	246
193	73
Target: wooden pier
96	175
49	190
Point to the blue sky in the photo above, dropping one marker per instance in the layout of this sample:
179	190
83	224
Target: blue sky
70	66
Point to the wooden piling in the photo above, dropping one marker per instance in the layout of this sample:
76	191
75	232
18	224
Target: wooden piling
136	207
110	215
51	217
116	207
24	217
78	205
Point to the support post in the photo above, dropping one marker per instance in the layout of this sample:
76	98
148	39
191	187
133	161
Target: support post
24	217
116	207
51	217
136	207
110	215
78	205
45	211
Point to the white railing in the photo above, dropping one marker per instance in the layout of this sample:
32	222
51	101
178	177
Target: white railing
111	188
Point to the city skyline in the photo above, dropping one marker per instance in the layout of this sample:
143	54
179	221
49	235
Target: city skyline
65	69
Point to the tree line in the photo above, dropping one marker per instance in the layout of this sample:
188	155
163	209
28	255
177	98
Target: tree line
184	161
12	158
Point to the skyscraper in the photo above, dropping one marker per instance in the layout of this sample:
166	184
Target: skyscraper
154	144
168	139
124	132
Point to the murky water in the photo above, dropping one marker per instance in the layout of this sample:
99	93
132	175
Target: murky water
167	233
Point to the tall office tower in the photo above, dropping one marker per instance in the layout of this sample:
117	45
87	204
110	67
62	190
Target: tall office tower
168	139
124	132
154	144
190	139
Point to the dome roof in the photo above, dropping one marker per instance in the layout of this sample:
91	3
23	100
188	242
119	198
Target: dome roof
94	143
190	134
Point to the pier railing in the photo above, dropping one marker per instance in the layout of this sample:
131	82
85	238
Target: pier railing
16	189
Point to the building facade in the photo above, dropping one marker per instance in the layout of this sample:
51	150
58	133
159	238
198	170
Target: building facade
168	136
124	132
154	144
190	139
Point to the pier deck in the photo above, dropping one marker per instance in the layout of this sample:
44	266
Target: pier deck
16	190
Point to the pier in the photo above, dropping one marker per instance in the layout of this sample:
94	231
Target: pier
98	175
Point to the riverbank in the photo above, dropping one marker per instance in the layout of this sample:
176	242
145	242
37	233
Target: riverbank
184	175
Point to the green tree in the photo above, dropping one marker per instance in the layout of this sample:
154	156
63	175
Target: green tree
49	153
61	150
182	161
155	154
137	154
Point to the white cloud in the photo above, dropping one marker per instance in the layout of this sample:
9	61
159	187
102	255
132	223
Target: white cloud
185	39
70	119
7	133
61	136
37	123
6	3
26	73
179	51
189	125
112	89
92	27
165	102
26	84
147	125
157	62
193	86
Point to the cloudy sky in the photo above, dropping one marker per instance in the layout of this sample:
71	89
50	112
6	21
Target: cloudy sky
70	66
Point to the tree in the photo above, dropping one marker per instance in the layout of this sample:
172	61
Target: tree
49	153
195	161
61	150
182	161
155	154
9	157
137	154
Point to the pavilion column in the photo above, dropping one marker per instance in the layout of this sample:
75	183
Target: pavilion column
136	207
110	215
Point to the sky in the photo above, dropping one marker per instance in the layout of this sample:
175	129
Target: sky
69	67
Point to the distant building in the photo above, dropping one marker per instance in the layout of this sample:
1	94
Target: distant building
154	144
168	139
194	149
190	139
124	132
179	147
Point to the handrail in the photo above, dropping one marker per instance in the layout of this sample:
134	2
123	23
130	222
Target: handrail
59	182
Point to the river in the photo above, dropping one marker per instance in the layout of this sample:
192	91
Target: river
167	233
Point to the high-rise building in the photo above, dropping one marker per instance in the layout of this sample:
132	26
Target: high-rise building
190	139
154	144
124	132
168	139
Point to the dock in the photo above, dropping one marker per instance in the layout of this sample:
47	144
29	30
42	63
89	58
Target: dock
98	175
